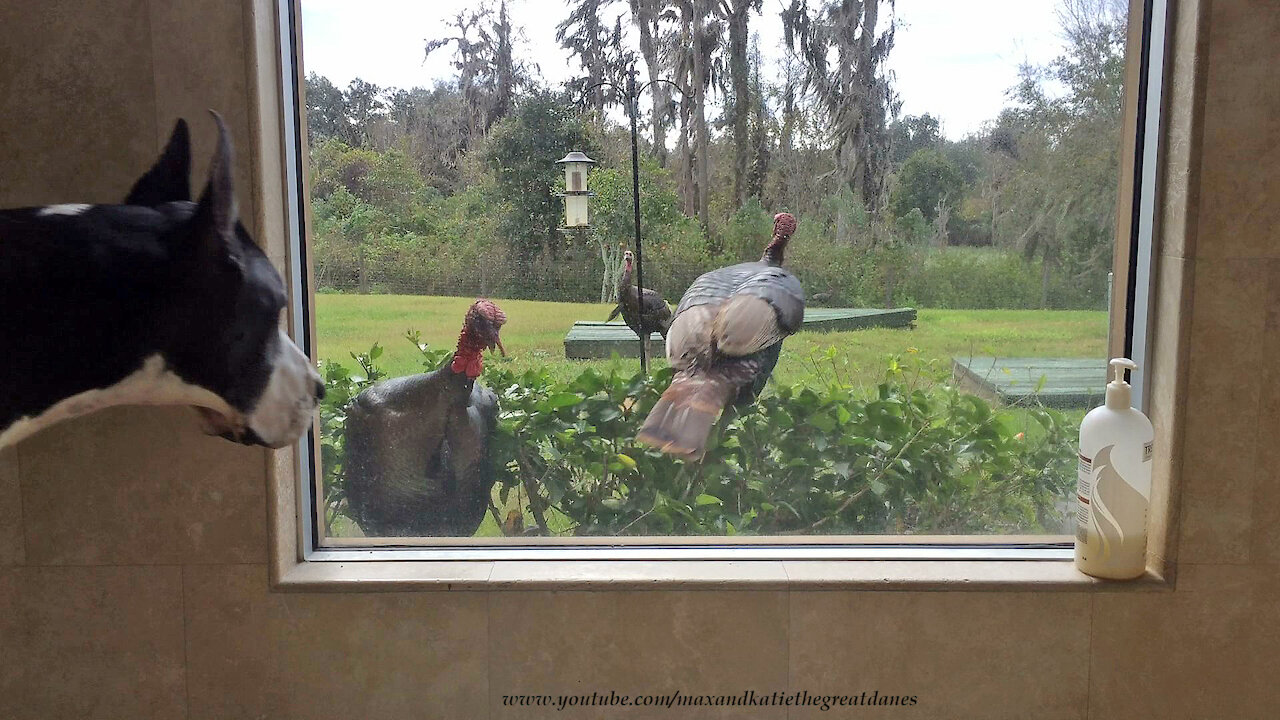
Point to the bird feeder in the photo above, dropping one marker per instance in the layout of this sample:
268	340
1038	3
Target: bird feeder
575	195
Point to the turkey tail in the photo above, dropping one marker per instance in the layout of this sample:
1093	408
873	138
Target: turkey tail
616	309
681	421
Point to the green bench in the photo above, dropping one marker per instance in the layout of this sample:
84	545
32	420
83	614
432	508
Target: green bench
1054	382
590	339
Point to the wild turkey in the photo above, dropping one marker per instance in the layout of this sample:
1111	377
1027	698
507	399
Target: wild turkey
643	310
417	446
724	343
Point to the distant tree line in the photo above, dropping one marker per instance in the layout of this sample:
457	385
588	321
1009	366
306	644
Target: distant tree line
451	188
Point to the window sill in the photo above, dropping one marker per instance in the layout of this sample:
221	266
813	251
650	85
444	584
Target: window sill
850	575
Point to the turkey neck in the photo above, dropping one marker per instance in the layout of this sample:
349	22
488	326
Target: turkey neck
624	282
774	250
468	359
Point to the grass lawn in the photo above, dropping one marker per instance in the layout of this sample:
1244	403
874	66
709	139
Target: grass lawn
534	335
535	331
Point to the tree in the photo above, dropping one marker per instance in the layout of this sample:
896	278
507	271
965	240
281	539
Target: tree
1059	197
598	49
844	54
737	14
362	196
521	152
691	51
929	182
489	75
706	40
431	126
349	115
326	109
677	47
759	140
645	14
364	104
912	133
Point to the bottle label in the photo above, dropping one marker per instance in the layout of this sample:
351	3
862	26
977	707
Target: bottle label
1084	483
1111	516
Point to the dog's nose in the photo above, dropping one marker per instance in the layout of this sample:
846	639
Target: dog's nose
319	390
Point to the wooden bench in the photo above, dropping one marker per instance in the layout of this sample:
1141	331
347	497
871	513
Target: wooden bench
590	339
1054	382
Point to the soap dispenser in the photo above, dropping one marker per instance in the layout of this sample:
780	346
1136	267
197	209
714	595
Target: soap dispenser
1113	487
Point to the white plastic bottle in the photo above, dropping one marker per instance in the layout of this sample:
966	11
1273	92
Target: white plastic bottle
1113	487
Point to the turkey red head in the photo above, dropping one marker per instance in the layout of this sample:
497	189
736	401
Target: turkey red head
628	257
480	332
784	224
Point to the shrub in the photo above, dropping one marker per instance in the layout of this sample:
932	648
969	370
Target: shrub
916	456
970	278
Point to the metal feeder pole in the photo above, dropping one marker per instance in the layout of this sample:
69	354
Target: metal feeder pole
635	199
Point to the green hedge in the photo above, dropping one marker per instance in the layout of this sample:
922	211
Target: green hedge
917	456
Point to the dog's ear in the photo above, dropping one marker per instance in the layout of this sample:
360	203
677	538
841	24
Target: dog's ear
214	223
169	179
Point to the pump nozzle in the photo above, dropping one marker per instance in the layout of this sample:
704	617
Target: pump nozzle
1118	393
1119	365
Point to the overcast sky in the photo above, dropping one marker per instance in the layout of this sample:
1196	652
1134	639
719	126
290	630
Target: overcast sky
953	59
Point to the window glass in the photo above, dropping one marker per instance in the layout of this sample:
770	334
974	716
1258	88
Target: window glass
875	245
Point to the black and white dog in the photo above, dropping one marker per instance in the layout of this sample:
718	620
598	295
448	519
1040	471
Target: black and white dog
159	301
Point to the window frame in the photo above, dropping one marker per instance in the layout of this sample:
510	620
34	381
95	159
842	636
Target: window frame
305	560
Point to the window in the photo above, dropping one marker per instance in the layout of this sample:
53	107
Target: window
954	242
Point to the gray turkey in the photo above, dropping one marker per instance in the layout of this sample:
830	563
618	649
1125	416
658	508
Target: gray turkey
643	310
417	446
724	343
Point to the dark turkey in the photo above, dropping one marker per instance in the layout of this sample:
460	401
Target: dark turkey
643	310
417	446
724	343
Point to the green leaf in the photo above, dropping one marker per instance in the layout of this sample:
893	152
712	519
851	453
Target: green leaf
560	400
823	422
705	499
626	460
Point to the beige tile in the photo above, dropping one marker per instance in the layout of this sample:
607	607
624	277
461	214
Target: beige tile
201	51
1238	185
1207	650
1167	368
1222	404
1265	511
282	515
13	641
92	643
963	655
636	643
77	100
258	654
267	124
11	544
143	486
1183	131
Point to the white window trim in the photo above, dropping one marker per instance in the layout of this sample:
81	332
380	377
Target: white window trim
970	562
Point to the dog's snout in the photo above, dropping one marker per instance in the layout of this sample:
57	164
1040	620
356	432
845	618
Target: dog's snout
319	390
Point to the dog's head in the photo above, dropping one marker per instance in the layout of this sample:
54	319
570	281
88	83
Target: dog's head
221	331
